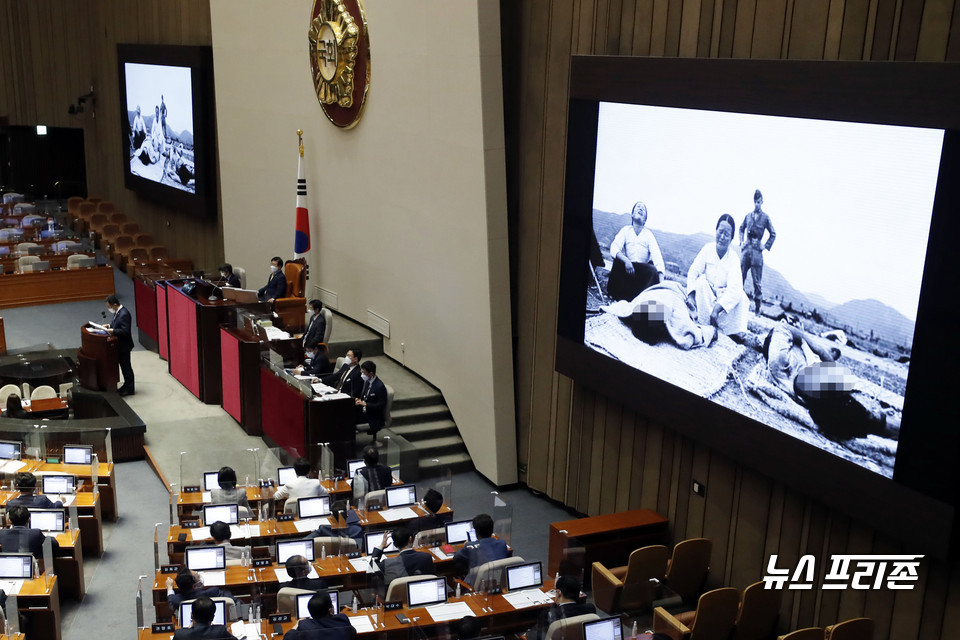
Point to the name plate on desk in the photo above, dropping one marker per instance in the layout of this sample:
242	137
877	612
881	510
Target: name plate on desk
162	627
191	524
376	507
285	517
192	489
275	618
392	606
262	562
169	568
353	554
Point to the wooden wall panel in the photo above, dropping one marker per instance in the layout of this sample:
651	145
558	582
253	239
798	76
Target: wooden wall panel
51	52
605	457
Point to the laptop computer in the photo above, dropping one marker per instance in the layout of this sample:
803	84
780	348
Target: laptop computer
353	466
228	513
313	507
210	480
288	548
373	538
16	566
606	629
77	454
524	576
58	484
10	450
461	531
303	603
285	475
422	593
186	613
209	558
47	520
401	495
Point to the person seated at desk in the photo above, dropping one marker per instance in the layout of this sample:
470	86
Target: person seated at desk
372	403
230	279
315	361
433	502
484	549
340	513
347	379
228	493
376	476
467	628
220	532
298	568
190	586
14	408
305	485
204	609
18	538
408	563
276	286
26	484
566	605
322	623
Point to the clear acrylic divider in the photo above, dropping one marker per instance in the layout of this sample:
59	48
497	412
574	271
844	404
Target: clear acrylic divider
12	623
244	462
390	456
573	560
438	477
74	519
139	602
47	552
502	513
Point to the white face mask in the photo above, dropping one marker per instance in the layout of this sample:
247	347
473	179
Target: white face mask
273	268
310	356
111	310
309	313
223	276
365	377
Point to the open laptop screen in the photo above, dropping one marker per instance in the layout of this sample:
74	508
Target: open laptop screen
461	531
372	539
9	450
206	558
47	519
16	566
58	484
313	507
421	593
285	475
524	576
228	513
303	603
288	548
77	454
606	629
402	495
210	481
219	614
353	466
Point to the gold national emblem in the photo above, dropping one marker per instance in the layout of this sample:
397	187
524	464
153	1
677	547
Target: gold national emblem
340	59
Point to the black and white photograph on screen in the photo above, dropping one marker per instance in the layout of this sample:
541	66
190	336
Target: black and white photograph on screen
159	104
771	265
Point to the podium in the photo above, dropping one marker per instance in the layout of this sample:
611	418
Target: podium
97	359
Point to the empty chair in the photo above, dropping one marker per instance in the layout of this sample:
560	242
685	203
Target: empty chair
11	197
628	588
158	253
242	274
32	221
110	233
144	240
80	261
25	247
130	228
118	217
430	537
853	629
488	571
569	628
122	245
94	200
8	390
334	545
759	611
7	235
43	392
98	221
376	498
137	254
105	206
39	265
810	633
713	618
688	567
4	250
397	589
25	261
73	204
287	599
24	207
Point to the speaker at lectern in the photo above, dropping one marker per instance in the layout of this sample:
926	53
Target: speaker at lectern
97	358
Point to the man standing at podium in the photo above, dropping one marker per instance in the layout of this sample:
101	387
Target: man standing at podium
120	327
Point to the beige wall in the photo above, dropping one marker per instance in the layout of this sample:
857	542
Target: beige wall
408	209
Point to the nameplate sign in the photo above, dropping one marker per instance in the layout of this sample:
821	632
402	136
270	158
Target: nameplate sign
392	606
191	524
285	517
277	618
169	568
191	489
162	627
262	562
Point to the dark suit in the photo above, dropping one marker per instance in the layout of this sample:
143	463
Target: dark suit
316	328
233	280
335	627
276	287
204	632
122	326
417	563
560	612
319	366
33	501
174	599
352	385
378	477
374	393
23	540
310	584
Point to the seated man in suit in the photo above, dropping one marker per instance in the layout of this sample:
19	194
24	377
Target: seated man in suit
484	549
372	403
305	485
340	513
220	532
376	476
203	628
276	286
323	622
20	539
316	325
229	278
408	563
347	379
566	605
27	484
298	568
190	586
315	361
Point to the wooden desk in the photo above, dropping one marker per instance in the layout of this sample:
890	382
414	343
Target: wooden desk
10	264
106	482
188	503
39	599
69	568
47	408
89	518
50	287
608	538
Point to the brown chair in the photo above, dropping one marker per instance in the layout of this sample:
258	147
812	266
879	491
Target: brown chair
853	629
145	241
95	200
712	620
688	567
290	307
759	612
569	628
810	633
118	217
73	205
85	211
130	228
98	221
159	253
122	245
137	254
105	206
109	233
628	588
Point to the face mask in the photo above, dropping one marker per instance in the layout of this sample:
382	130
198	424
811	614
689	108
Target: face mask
223	276
111	310
309	313
365	377
273	268
310	356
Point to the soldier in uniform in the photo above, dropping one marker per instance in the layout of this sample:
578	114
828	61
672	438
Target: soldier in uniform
752	248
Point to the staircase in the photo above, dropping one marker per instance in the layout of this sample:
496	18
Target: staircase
419	412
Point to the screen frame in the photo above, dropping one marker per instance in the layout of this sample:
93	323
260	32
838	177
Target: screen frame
925	96
611	620
43	486
63	519
199	59
309	550
16	444
322	498
508	570
88	456
397	488
221	552
414	583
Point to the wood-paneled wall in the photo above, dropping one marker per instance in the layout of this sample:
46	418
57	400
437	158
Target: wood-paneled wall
53	51
596	456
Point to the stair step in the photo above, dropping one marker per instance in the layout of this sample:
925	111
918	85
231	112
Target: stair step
424	430
455	462
410	402
419	415
440	446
